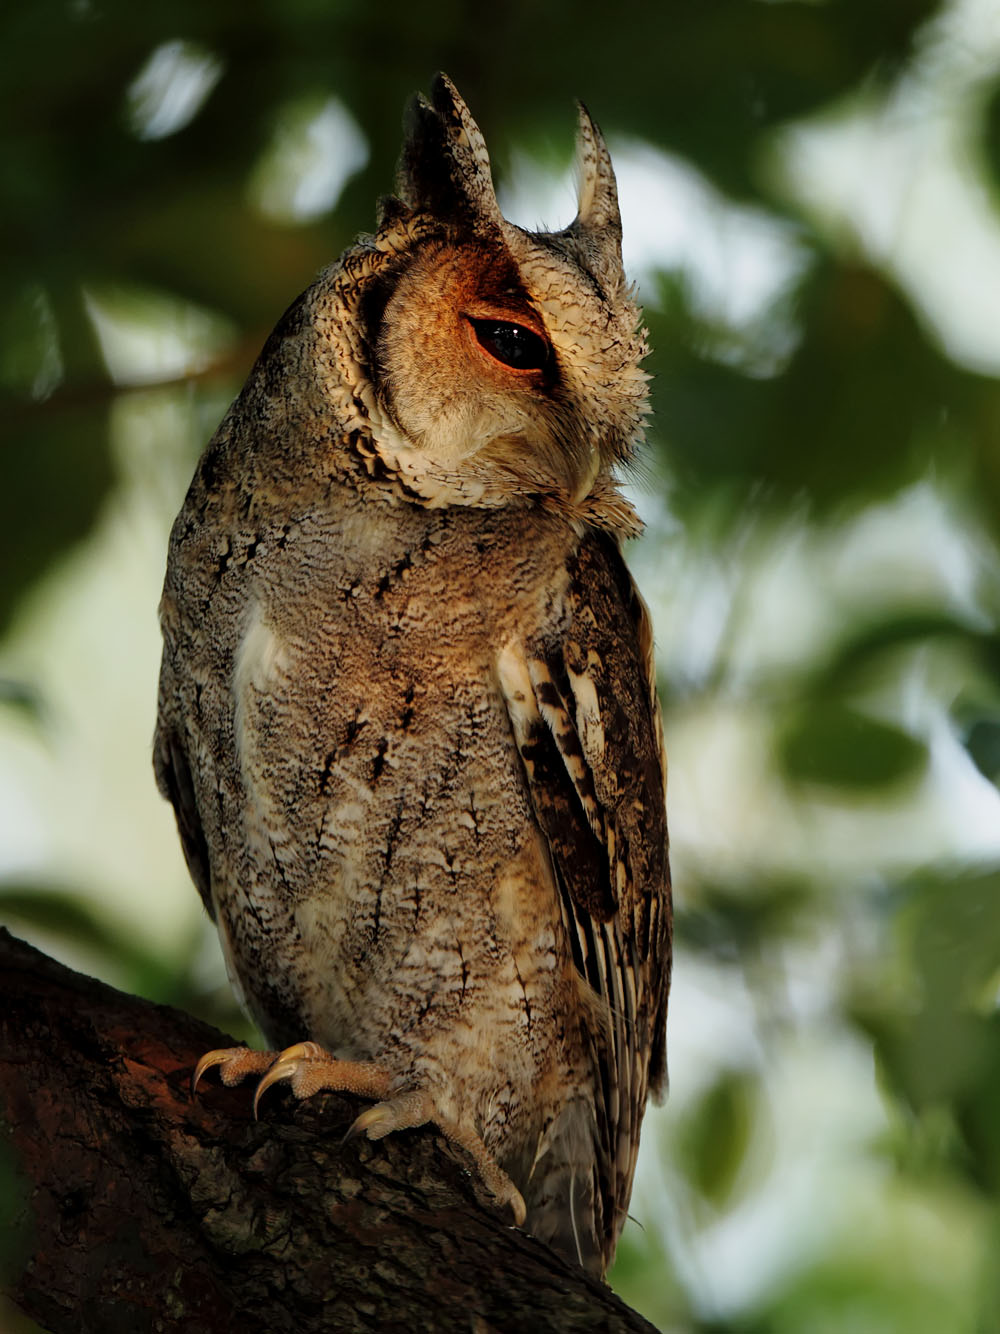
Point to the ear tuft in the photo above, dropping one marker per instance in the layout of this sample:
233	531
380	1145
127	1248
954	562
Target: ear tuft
445	168
598	222
389	210
597	194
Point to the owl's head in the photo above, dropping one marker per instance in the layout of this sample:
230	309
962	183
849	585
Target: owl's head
500	363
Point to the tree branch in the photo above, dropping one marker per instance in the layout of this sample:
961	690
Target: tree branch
142	1208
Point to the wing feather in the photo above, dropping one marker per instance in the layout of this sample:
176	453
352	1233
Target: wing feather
583	707
173	776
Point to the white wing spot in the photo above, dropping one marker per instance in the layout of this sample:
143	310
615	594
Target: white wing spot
588	713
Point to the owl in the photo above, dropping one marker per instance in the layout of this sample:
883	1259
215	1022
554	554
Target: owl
407	711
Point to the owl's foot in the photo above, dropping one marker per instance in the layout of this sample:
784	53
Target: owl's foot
308	1068
415	1107
234	1063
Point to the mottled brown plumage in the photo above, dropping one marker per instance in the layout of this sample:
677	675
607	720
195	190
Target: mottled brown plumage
407	713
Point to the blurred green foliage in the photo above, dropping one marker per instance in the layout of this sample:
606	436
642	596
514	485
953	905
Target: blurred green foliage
109	205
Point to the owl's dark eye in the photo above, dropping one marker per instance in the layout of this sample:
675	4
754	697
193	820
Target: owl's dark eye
513	344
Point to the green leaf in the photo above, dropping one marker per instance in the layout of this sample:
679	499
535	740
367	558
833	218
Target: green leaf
833	745
716	1134
982	741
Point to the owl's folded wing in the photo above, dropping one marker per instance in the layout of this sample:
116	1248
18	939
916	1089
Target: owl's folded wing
583	708
173	777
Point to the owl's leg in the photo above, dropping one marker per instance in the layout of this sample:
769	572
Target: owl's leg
308	1068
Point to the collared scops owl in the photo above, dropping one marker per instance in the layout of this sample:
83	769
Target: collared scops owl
407	711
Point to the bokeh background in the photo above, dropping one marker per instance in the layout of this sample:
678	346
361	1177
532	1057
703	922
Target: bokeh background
810	202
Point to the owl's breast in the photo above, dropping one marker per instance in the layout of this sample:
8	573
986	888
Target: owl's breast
379	799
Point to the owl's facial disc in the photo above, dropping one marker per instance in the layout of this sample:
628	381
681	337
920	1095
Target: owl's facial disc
462	366
474	380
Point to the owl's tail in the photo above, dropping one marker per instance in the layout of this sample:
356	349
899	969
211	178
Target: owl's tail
563	1196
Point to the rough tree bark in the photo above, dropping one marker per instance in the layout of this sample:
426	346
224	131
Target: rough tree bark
140	1208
